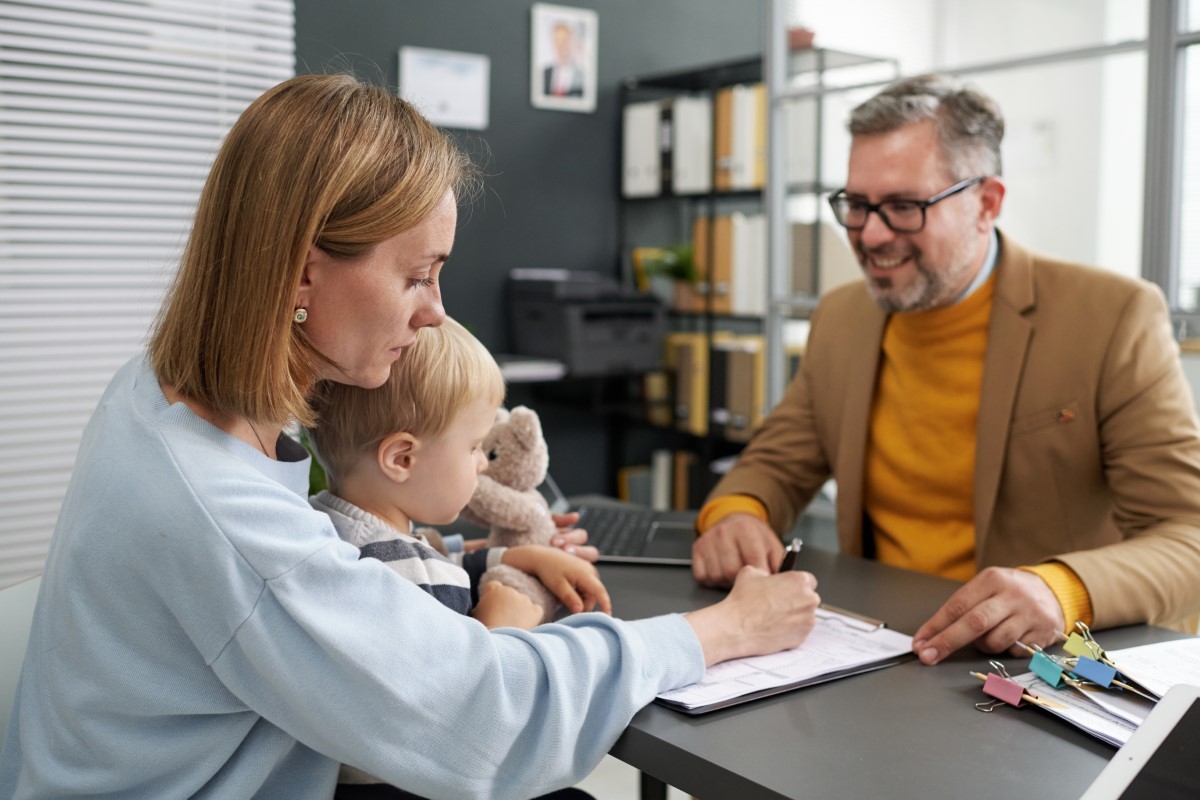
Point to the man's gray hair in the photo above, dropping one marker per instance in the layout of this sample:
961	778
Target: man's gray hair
969	124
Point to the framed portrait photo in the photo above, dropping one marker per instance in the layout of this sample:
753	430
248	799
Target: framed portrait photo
563	58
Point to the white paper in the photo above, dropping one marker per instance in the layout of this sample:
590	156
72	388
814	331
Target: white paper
1079	711
1110	715
449	88
1160	666
836	643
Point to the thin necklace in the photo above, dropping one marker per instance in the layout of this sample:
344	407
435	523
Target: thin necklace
262	446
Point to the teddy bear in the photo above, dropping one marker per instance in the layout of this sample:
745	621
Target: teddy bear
507	501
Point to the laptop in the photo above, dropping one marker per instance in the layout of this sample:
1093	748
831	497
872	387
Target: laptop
629	534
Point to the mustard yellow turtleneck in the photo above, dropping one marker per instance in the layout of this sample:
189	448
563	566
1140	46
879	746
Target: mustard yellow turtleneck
919	471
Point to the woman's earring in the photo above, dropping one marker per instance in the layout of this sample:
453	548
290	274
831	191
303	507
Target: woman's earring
300	316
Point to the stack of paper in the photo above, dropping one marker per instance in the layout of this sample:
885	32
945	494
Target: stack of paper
1112	716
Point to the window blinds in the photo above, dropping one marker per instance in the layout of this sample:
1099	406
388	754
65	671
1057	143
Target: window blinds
110	114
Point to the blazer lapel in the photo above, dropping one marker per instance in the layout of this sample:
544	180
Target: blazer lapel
1009	332
864	341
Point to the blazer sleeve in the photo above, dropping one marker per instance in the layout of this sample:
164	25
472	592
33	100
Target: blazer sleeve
1150	448
784	464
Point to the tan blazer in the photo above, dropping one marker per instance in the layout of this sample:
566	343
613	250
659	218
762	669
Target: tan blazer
1088	449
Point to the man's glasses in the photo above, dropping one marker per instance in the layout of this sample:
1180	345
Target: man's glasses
902	216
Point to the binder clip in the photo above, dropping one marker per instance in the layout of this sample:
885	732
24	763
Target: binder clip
1091	670
1085	645
1047	667
1003	689
1093	664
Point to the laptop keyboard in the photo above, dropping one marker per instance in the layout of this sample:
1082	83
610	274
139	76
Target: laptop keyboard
616	531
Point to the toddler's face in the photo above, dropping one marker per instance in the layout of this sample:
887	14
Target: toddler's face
448	466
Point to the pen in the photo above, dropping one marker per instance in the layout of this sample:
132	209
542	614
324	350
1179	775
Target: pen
789	555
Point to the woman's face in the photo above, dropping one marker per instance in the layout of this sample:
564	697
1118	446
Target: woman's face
363	312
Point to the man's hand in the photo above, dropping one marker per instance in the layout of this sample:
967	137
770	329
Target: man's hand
996	608
571	539
762	614
731	544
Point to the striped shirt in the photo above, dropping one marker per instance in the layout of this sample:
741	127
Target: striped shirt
452	580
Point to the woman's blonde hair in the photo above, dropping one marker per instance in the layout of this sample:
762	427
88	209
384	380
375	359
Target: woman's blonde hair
318	159
444	372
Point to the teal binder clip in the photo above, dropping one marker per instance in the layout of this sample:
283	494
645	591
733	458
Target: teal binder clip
1046	669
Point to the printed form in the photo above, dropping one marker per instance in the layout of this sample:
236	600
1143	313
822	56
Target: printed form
839	645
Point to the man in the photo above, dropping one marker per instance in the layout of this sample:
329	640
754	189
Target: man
990	415
564	77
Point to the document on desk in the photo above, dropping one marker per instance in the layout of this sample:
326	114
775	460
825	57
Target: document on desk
1112	716
840	645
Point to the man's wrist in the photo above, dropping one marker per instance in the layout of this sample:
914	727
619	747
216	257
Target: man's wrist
719	508
1068	589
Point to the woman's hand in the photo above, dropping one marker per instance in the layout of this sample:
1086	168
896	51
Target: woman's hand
571	539
502	606
572	580
763	613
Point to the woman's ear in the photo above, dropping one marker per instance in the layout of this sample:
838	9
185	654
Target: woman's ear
313	262
397	454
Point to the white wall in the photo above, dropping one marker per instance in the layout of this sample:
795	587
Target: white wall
1074	149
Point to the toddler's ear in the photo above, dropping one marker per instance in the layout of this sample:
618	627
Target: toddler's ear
396	456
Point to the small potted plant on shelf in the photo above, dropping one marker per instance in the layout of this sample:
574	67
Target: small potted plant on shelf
671	273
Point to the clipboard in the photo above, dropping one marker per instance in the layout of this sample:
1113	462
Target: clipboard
834	650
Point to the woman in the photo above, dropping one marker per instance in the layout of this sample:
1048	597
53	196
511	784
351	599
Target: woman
201	631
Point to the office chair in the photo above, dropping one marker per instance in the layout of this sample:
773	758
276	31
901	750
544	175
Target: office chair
16	617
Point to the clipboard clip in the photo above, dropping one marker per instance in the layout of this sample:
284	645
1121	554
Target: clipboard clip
857	622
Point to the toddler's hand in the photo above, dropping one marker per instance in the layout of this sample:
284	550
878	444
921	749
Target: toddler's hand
572	580
502	606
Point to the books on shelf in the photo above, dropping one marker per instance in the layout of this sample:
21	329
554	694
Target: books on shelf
740	138
719	384
691	144
667	147
656	398
640	169
687	358
746	387
675	480
661	463
838	264
730	253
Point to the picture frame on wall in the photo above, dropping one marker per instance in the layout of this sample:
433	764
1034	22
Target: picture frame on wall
563	58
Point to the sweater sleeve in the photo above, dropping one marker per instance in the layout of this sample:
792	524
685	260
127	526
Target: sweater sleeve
1068	589
477	563
501	714
724	506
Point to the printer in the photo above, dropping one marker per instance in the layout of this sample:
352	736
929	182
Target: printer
585	320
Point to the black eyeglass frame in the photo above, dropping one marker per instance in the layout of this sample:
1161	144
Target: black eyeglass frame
840	195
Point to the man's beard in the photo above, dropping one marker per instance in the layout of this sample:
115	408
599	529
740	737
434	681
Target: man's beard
931	287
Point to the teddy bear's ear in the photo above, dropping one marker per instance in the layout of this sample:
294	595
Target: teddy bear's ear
502	415
526	425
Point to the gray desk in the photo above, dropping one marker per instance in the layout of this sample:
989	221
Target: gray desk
905	732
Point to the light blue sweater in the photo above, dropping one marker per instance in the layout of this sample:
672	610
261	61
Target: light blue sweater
202	632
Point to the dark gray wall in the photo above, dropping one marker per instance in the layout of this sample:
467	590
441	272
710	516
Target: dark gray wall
551	196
